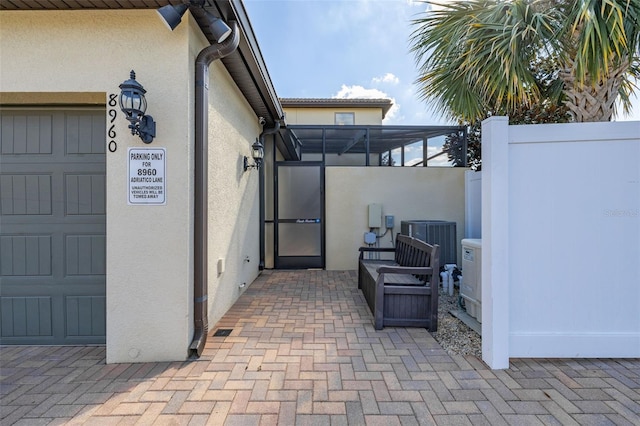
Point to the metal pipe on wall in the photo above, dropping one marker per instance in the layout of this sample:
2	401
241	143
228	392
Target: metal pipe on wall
200	231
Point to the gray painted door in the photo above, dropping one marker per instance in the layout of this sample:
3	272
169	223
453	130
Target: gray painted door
52	226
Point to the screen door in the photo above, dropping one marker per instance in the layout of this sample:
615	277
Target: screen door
299	224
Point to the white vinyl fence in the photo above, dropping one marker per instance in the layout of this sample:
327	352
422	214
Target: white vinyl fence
560	240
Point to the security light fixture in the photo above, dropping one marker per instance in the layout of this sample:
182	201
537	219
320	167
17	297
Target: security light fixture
219	29
133	104
172	15
257	152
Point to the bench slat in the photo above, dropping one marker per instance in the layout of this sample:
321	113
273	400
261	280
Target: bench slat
399	279
407	289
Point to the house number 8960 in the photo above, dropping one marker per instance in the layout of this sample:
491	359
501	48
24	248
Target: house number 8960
112	112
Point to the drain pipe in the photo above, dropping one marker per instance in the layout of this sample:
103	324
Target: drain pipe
261	194
200	231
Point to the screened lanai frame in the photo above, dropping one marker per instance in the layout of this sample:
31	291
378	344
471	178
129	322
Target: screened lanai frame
316	142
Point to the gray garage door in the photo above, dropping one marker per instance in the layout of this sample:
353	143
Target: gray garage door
52	226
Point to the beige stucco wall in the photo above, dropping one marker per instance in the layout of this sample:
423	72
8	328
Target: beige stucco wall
408	193
363	116
233	196
149	248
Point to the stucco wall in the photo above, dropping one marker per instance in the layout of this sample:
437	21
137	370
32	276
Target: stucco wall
363	116
149	248
233	194
407	193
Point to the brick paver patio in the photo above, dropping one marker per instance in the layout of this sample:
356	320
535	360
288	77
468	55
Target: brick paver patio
303	351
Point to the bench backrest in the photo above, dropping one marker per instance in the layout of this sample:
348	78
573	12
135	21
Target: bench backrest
413	252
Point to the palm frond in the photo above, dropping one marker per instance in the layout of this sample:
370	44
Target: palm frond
477	55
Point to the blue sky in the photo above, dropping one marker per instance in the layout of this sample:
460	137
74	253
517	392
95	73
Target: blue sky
345	48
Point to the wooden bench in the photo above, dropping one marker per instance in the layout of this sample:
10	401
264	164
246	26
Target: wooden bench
404	291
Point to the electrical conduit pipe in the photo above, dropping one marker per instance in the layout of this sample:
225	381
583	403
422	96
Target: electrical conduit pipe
200	231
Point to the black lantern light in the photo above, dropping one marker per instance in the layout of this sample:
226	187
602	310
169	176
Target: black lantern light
133	104
257	152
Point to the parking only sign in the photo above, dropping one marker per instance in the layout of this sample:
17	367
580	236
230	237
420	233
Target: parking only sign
147	178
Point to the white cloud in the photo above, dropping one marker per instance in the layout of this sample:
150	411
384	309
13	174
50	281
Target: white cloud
413	155
441	161
359	92
388	78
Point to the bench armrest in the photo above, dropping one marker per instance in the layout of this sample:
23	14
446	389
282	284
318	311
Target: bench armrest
425	270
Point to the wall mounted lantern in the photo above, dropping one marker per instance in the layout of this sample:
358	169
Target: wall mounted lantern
172	15
257	152
133	104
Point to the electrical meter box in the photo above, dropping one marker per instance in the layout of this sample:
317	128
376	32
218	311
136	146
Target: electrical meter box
388	221
375	215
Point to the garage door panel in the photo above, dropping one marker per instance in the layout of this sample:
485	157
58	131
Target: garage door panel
27	133
25	255
85	134
52	245
22	194
32	255
85	194
85	316
26	317
85	255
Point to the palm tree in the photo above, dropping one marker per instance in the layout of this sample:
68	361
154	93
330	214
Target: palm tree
476	56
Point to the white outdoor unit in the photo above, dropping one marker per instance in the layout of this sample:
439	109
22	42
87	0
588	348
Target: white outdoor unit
471	284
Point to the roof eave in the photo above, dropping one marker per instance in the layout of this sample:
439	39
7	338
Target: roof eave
246	65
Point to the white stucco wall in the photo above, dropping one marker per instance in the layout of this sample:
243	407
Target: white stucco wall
149	248
408	193
561	240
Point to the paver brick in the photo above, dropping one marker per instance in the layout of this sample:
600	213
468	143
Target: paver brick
460	407
196	407
176	401
452	420
303	351
558	414
590	407
263	407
